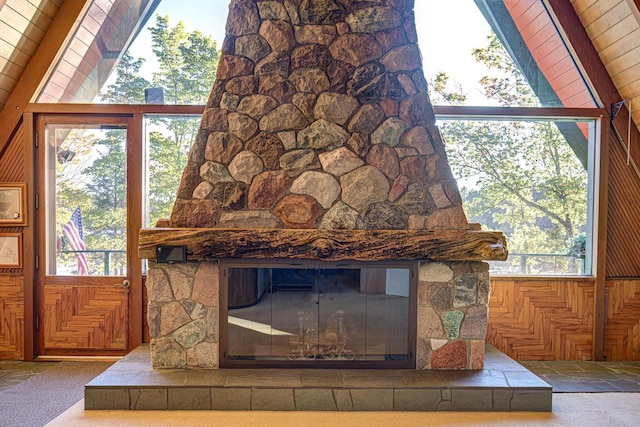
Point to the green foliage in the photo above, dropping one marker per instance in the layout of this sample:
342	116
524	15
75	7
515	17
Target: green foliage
517	176
96	178
129	86
168	154
187	62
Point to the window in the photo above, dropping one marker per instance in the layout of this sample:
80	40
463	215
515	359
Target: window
533	180
498	53
167	142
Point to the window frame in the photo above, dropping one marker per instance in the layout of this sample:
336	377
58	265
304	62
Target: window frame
598	233
598	115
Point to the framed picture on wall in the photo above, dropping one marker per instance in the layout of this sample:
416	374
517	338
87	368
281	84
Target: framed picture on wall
10	250
13	203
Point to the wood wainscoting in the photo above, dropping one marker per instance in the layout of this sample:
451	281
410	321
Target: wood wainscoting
84	318
622	321
542	319
11	317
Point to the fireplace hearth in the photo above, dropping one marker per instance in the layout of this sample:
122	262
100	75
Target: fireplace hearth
318	155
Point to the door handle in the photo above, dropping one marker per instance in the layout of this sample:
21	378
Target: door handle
125	284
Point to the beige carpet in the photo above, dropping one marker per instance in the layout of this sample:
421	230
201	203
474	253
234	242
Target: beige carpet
584	410
39	399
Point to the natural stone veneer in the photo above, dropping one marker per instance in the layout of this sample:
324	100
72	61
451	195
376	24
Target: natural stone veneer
319	118
183	315
451	329
333	87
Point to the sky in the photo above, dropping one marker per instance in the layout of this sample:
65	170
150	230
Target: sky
443	45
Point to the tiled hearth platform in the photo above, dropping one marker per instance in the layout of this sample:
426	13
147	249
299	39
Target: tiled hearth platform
503	385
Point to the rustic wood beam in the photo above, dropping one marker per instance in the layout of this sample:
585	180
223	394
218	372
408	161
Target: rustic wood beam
327	245
608	94
40	66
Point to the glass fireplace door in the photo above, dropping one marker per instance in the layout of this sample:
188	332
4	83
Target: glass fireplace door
303	315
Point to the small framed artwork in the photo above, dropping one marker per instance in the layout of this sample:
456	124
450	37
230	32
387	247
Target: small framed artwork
10	250
13	203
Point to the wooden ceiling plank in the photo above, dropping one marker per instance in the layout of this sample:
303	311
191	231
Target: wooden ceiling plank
607	19
622	45
24	8
21	23
599	9
10	71
48	8
40	67
10	52
615	33
624	62
582	5
15	38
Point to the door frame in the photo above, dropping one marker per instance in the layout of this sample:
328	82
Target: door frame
136	112
134	159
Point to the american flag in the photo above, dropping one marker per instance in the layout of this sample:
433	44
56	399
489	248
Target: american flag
72	230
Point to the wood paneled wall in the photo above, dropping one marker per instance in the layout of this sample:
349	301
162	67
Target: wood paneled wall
622	324
11	282
623	221
532	319
11	317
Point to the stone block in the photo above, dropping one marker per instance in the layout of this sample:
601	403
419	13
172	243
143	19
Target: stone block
272	399
148	399
189	399
471	400
205	287
435	272
372	399
106	398
416	399
343	400
319	399
502	400
231	399
532	400
466	290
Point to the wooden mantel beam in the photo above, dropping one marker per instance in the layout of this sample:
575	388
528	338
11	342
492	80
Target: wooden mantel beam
327	245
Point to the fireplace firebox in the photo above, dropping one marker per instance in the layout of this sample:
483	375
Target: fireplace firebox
310	314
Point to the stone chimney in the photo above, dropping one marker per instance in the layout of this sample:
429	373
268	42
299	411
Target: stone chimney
319	142
319	118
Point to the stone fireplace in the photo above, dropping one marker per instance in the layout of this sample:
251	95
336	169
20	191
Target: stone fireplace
318	144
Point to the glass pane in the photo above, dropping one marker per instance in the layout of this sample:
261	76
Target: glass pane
86	199
251	334
168	140
294	310
509	54
387	313
342	327
138	51
532	180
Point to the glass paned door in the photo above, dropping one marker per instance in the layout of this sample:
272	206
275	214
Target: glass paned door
85	274
302	315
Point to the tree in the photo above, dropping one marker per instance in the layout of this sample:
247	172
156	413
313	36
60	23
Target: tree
518	176
186	64
129	86
96	178
107	213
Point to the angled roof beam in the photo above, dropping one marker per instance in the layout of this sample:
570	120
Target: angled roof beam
40	66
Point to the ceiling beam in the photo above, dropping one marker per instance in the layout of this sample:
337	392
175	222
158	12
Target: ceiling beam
39	68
